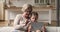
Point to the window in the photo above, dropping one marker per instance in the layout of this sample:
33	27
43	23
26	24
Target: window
44	1
36	1
47	1
41	1
52	1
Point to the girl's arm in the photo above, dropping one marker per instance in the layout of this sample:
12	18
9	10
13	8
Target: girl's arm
43	29
29	28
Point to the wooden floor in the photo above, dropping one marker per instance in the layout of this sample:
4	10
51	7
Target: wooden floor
5	23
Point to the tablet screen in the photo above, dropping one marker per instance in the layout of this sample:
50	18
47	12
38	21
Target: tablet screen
36	25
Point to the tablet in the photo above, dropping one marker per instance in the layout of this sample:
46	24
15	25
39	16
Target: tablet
36	25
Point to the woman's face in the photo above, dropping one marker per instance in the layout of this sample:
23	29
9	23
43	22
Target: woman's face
27	12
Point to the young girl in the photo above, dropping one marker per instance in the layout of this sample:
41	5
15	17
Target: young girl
34	25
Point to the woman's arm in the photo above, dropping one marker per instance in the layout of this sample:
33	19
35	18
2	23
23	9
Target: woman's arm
16	22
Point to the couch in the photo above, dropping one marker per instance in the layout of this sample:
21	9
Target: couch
49	29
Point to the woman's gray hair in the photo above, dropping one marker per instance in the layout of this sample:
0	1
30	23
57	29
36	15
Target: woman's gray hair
25	6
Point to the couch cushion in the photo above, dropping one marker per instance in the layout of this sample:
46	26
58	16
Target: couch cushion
6	29
51	29
58	29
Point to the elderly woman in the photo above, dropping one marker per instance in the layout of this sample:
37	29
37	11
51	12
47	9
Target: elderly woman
21	19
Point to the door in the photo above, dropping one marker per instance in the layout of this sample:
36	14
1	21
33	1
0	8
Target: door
1	11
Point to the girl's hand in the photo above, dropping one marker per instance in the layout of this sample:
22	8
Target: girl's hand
43	29
38	30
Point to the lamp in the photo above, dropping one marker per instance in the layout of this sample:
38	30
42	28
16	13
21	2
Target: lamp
48	4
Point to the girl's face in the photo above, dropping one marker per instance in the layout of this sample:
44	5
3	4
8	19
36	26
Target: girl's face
34	18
